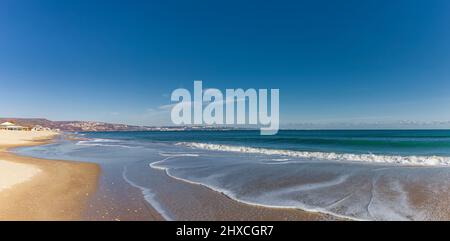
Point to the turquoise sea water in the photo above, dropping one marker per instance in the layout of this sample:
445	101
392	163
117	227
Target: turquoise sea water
396	142
369	175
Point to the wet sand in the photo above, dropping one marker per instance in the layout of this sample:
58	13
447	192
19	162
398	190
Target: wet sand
117	200
179	200
196	202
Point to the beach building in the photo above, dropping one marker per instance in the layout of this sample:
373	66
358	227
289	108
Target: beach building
40	128
12	127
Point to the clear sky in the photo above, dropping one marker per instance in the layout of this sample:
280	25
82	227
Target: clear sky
337	64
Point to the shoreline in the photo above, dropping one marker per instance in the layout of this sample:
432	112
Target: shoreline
312	214
76	191
197	202
58	191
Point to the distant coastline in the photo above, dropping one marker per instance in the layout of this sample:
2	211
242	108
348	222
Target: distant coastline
98	126
79	126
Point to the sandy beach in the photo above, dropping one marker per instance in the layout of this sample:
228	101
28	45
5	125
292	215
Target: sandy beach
149	181
117	200
10	139
13	173
38	189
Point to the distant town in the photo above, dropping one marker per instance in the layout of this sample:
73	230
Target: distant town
77	126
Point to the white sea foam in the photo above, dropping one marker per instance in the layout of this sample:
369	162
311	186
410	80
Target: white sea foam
149	196
329	156
232	195
179	154
102	142
308	187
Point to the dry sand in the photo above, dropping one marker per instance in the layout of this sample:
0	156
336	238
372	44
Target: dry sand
38	189
24	138
13	173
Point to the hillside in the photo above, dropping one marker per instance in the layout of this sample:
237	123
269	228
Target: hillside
72	125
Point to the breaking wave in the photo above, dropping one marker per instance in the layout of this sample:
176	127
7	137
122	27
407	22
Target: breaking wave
329	156
103	143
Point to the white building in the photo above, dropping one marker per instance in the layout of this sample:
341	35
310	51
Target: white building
12	127
40	128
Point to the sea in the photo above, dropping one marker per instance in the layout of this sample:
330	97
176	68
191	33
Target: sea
351	174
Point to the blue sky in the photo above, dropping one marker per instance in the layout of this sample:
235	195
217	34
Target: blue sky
338	64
